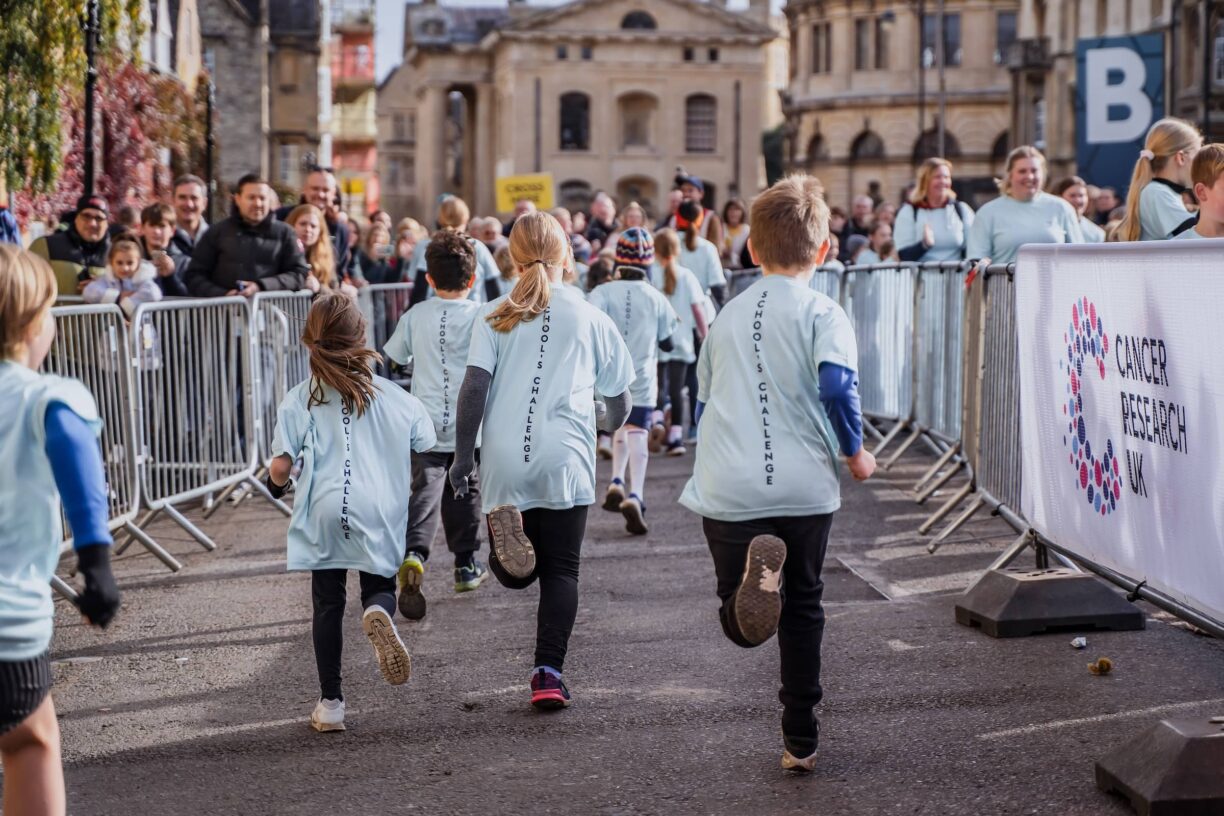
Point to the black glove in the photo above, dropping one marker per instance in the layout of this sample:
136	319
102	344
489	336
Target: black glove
100	600
460	472
276	490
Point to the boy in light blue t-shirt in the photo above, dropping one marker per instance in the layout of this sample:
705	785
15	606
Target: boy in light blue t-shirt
777	399
435	335
1207	175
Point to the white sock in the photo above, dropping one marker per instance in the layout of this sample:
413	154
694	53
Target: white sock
639	456
657	417
675	434
620	456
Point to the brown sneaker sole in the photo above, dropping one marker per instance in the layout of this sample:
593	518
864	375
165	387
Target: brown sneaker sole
510	544
393	659
634	521
758	600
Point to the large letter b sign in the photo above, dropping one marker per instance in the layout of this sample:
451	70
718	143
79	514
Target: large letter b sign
1115	79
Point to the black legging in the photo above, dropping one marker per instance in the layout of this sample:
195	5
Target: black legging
556	536
672	376
328	590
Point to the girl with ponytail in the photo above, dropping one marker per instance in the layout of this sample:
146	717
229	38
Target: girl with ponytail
686	298
1155	210
355	434
538	360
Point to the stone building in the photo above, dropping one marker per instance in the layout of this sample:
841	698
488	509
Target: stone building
235	39
299	70
1043	108
865	100
354	121
603	94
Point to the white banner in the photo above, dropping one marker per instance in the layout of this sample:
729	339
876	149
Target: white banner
1122	409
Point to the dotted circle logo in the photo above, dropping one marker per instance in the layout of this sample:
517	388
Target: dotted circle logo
1096	468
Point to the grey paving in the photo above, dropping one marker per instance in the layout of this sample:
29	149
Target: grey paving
197	701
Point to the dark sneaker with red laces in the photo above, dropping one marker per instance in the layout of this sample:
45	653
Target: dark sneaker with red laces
548	691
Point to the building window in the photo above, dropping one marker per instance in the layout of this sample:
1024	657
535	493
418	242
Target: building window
927	146
714	55
636	116
1005	35
1217	58
588	53
822	49
867	146
639	20
1039	124
562	52
688	55
575	194
575	121
393	174
398	128
362	59
951	40
862	45
700	124
881	44
286	163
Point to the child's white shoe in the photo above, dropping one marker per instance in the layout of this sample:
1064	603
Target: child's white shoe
328	715
393	659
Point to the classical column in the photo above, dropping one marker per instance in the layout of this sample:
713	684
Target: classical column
431	147
483	165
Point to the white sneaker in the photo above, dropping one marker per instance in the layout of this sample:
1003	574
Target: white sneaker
393	659
328	715
791	763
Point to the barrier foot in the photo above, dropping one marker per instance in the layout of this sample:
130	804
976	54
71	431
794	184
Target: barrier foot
220	500
956	524
1172	768
192	530
871	430
275	502
892	434
153	547
1018	602
64	589
938	466
947	508
934	486
1013	552
122	546
897	454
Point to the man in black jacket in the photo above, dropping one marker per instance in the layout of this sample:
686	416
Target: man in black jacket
321	190
248	252
78	254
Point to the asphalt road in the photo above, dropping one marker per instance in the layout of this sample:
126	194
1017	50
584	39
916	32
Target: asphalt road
197	700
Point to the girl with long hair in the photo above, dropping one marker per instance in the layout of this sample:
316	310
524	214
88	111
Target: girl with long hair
355	433
307	221
735	233
1074	190
1155	208
537	360
683	292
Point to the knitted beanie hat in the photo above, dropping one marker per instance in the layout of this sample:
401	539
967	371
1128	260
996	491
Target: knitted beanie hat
635	248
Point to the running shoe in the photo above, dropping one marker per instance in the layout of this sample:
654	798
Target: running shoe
676	448
758	599
605	447
470	576
790	762
635	514
615	496
509	543
393	659
548	692
411	575
328	715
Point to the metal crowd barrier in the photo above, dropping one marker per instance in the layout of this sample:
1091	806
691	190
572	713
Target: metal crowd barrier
879	300
383	304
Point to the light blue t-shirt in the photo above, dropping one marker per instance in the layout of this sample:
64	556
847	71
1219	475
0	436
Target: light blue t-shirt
1161	210
486	267
350	507
644	318
687	295
539	444
1005	224
1191	234
704	262
31	527
504	287
1092	233
867	257
766	446
949	224
435	335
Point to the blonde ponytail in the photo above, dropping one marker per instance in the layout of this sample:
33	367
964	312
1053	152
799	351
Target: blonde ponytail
537	244
1165	139
667	247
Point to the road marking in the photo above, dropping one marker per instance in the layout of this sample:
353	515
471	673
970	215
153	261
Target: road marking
936	583
901	646
1099	718
916	550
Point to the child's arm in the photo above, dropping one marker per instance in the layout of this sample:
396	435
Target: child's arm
469	410
76	463
839	396
98	290
278	475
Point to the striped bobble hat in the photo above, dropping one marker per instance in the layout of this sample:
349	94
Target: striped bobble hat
635	248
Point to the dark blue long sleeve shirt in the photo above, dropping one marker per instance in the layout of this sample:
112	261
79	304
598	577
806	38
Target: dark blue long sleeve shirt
76	464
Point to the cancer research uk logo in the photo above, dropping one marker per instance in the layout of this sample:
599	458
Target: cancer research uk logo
1097	471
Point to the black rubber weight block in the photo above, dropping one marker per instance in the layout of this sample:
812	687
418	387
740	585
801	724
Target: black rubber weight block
1017	602
1175	768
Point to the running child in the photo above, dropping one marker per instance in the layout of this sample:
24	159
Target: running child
355	434
688	301
435	335
646	322
778	398
48	452
129	280
538	359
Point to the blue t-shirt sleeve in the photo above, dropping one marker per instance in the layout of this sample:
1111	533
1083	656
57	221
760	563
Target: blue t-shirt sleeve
839	396
76	463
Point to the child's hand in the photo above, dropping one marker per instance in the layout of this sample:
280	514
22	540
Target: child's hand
862	465
460	472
